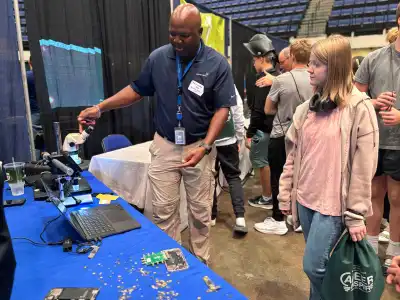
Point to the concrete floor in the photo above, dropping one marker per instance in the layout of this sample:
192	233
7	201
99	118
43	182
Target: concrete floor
261	267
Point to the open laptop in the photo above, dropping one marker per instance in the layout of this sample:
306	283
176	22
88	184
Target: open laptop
97	222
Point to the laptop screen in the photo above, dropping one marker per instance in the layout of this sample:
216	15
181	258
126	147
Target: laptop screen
56	201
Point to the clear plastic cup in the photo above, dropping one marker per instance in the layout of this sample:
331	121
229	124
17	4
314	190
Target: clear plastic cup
15	177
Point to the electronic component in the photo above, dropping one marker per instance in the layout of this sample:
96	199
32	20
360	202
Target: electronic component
211	285
154	258
93	252
175	260
14	202
72	294
67	245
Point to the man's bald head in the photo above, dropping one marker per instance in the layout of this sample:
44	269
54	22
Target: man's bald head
285	61
187	13
185	30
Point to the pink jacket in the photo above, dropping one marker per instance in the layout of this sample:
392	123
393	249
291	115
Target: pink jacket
359	131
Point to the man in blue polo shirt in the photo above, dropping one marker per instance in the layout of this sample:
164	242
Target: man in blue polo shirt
194	87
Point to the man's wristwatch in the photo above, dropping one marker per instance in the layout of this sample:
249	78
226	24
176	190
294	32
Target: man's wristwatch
207	147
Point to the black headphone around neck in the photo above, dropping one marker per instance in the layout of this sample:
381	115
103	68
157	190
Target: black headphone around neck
322	105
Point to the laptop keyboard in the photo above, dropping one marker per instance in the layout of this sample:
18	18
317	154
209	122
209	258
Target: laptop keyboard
93	224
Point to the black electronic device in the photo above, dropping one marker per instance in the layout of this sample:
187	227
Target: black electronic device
97	222
72	294
39	192
54	166
14	202
62	164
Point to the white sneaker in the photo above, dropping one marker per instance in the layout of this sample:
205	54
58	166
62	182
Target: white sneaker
240	226
270	226
289	220
384	237
240	222
213	222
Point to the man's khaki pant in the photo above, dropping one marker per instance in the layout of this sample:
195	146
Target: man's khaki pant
165	177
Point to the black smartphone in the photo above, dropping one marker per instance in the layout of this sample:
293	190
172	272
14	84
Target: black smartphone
14	202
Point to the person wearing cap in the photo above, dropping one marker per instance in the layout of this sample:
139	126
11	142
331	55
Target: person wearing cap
265	63
285	64
195	89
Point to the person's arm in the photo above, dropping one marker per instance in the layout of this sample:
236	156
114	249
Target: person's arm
267	80
270	107
363	80
143	86
127	96
394	273
271	104
252	129
363	167
238	117
217	124
286	179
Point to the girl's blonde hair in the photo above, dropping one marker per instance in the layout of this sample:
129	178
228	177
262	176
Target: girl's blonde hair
335	53
392	34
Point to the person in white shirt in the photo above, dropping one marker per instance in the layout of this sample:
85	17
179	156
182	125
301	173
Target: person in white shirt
228	148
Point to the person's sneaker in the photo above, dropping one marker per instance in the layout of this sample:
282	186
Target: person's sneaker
240	226
289	220
270	226
259	202
384	237
213	222
298	230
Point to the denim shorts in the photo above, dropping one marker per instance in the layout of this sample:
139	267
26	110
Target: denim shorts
259	150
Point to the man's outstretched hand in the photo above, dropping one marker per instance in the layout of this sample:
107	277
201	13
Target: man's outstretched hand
88	116
193	157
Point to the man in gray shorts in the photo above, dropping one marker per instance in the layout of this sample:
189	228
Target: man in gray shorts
287	92
379	75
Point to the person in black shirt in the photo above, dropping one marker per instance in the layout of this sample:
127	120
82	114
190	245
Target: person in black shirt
265	62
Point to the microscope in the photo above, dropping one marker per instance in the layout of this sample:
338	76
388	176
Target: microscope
72	142
65	176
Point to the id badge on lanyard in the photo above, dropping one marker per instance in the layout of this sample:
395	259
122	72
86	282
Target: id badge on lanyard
180	136
180	133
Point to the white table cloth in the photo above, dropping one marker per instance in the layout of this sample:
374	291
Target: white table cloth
125	172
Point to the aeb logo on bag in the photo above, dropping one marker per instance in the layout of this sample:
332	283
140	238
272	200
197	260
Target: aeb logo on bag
357	280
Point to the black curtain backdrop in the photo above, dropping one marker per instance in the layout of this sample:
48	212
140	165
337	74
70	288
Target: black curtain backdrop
242	66
13	124
126	32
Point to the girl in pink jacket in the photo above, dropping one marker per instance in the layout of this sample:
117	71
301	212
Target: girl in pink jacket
332	148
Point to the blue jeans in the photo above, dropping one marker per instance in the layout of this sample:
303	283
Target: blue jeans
321	233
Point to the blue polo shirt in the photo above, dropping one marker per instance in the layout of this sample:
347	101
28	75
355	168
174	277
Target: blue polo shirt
159	76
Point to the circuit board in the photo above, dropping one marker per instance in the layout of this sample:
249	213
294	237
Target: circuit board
175	260
152	259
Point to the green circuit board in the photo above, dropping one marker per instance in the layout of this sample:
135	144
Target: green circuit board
152	259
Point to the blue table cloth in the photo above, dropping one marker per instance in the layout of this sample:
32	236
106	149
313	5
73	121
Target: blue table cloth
116	269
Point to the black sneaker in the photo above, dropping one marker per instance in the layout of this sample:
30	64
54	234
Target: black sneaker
261	203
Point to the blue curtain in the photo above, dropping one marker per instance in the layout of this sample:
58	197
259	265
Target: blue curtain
14	139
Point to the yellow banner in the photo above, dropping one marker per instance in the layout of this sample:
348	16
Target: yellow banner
213	31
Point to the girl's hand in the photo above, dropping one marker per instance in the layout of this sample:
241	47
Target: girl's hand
357	233
286	212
